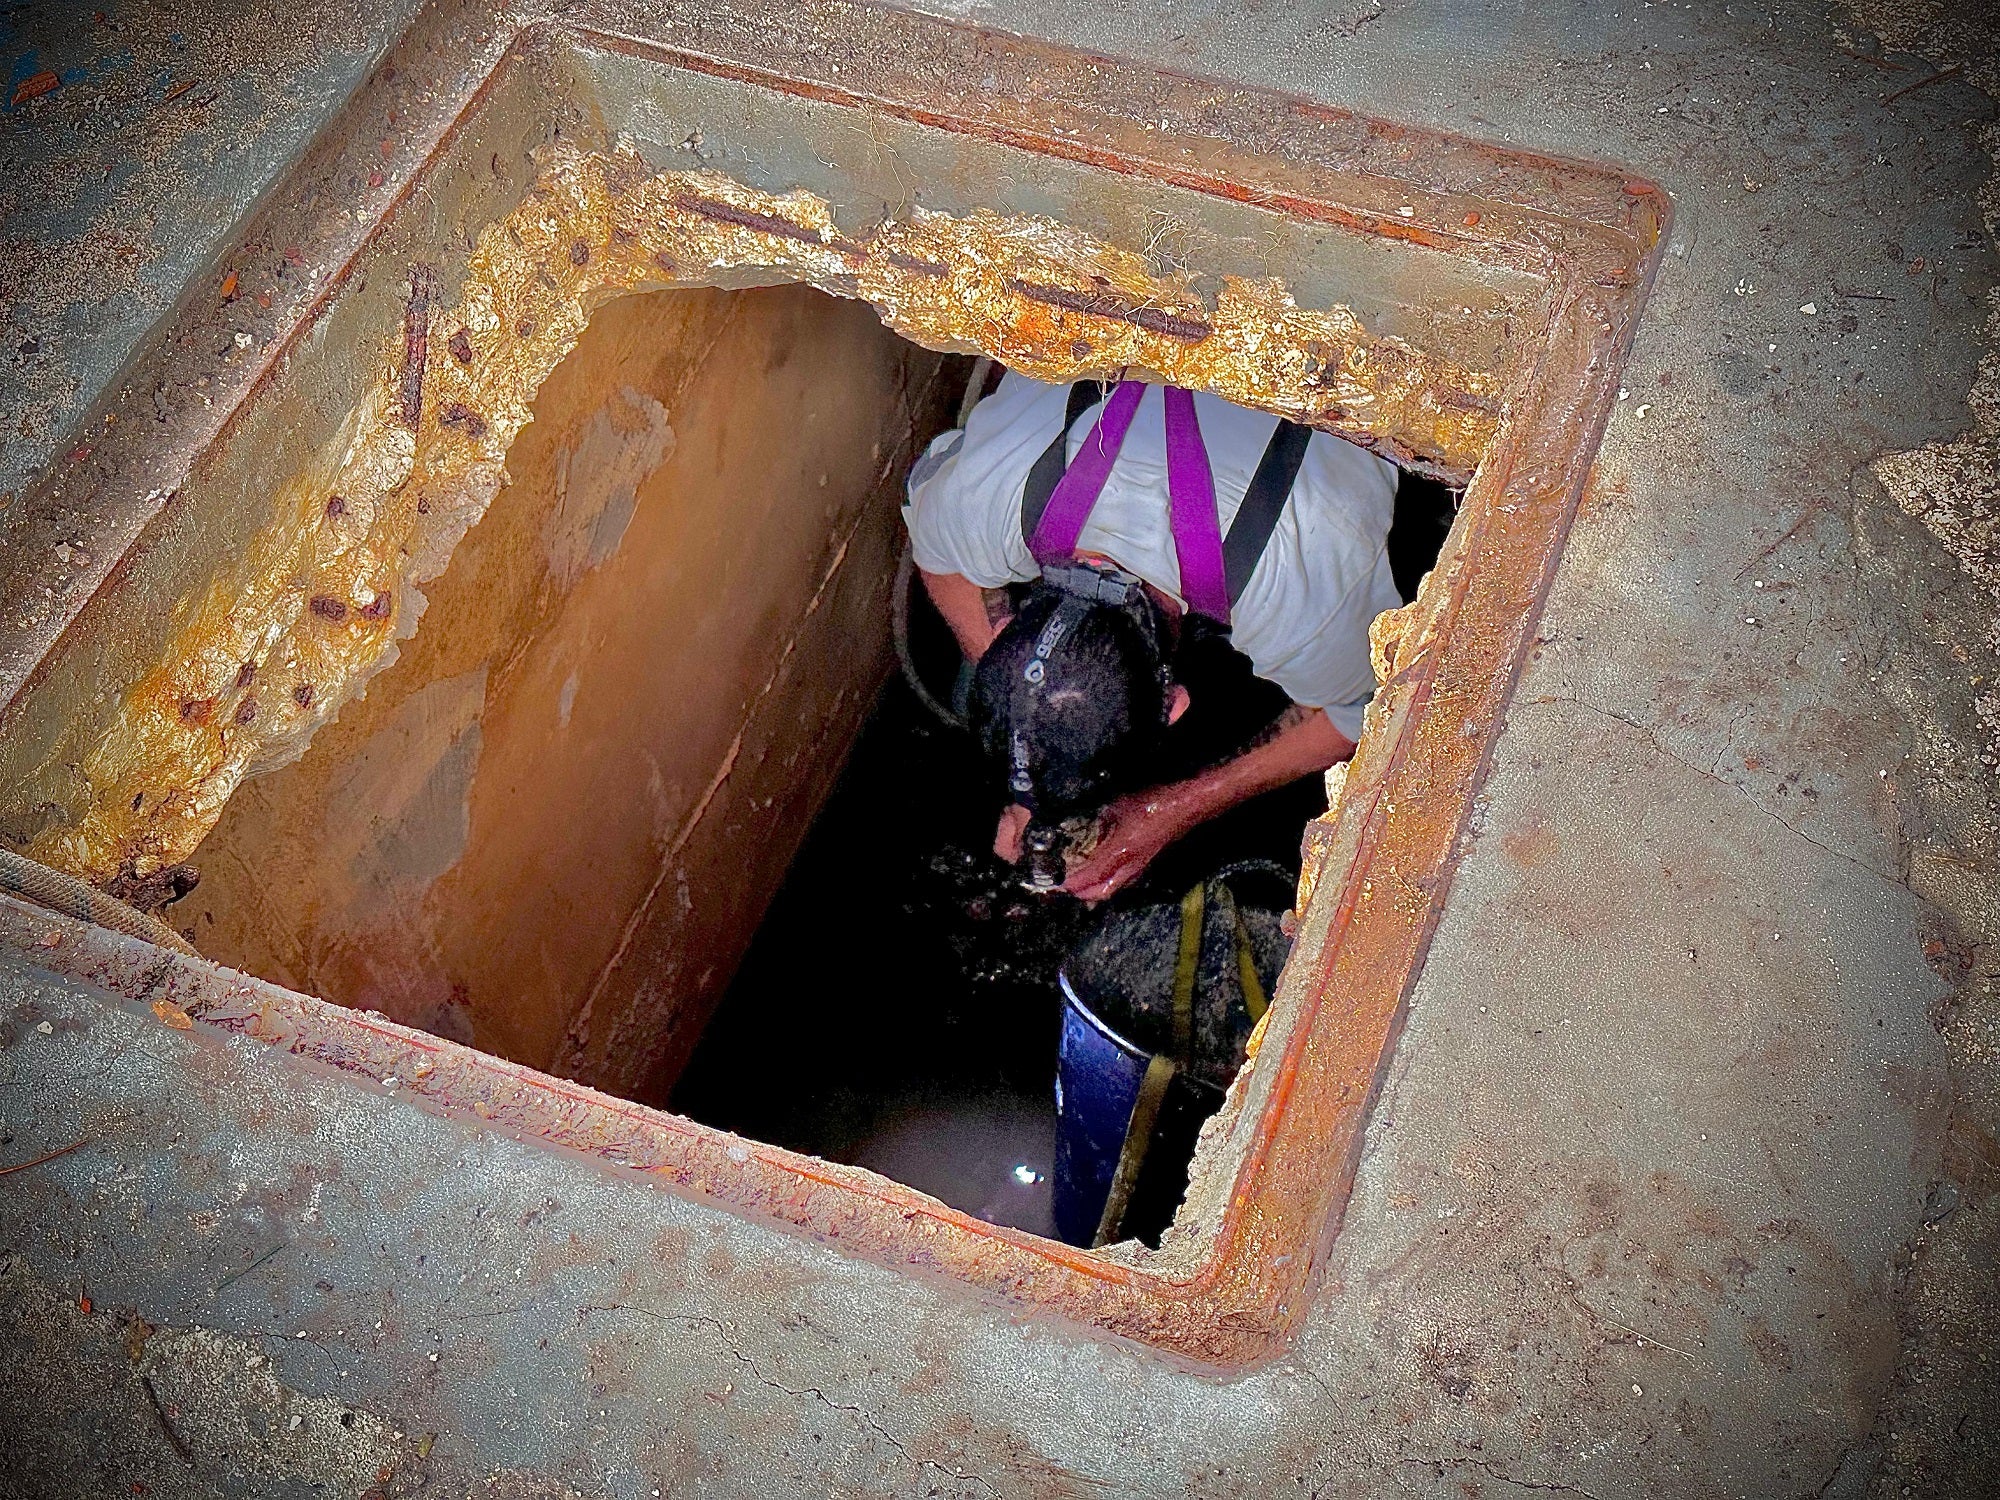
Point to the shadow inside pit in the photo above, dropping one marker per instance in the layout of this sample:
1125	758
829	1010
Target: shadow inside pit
898	1009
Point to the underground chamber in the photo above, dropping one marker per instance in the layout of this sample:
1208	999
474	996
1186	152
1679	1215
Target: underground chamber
645	801
549	828
1464	316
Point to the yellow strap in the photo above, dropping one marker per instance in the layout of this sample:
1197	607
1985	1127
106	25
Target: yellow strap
1254	999
1186	968
1246	970
1132	1155
1159	1073
1253	987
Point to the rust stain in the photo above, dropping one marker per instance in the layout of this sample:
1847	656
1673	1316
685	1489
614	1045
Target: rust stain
1101	305
783	228
1273	1178
416	462
416	340
1532	846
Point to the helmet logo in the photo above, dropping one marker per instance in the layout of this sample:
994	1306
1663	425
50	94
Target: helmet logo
1052	634
1021	780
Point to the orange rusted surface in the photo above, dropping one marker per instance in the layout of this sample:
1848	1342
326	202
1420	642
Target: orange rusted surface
316	599
1273	1175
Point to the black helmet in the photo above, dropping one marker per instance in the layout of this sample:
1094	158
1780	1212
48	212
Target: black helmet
1073	695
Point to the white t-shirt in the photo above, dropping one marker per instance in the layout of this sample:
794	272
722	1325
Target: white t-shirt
1302	619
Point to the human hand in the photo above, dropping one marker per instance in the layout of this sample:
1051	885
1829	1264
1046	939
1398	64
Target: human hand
1134	830
1013	828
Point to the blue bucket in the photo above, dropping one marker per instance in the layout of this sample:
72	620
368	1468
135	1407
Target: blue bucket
1100	1071
1098	1074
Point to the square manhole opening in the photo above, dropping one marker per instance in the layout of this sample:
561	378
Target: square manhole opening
517	626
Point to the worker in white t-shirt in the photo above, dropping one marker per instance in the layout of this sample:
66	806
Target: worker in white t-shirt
1141	515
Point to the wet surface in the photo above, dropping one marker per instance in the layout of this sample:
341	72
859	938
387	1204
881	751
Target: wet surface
898	1009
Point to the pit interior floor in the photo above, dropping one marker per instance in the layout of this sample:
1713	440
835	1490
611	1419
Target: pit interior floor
897	1009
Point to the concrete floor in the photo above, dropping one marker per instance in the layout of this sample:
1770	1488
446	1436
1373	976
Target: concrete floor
1681	1182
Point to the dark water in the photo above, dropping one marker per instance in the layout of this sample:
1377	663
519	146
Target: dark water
898	1009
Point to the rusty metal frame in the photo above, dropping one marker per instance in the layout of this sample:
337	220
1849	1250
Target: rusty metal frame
1272	1183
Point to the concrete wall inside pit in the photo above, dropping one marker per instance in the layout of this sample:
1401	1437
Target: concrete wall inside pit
552	826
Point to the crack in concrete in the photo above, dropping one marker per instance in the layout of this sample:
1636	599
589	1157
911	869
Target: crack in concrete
1486	1468
866	1419
861	1414
1652	737
167	1428
1644	1338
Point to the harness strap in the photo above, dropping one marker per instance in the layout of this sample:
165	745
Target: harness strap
1048	469
1191	510
1263	503
1057	497
1054	540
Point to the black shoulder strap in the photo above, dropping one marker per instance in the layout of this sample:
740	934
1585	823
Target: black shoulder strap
1263	503
1048	470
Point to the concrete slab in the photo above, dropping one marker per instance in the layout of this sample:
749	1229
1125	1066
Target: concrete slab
136	136
1679	1183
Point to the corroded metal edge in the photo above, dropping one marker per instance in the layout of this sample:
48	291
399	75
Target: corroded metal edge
70	537
1402	818
311	605
1275	1173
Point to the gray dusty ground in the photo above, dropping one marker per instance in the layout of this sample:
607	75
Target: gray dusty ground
1682	1183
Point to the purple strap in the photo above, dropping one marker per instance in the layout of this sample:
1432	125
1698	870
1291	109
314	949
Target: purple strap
1075	494
1191	510
1197	529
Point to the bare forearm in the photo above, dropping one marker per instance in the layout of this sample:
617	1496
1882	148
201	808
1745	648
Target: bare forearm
1139	826
1302	742
974	614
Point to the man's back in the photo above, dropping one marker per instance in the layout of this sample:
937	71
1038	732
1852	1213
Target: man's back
1303	617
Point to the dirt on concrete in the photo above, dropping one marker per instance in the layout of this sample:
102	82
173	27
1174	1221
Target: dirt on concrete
1928	524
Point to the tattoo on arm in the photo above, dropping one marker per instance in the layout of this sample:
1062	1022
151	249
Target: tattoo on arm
1293	716
999	606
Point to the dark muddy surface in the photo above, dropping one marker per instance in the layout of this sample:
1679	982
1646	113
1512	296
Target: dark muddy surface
1124	971
898	1009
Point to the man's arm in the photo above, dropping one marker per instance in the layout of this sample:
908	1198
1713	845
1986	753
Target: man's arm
1302	741
975	614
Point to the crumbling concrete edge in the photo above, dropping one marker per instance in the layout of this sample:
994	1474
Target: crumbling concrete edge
1938	1429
